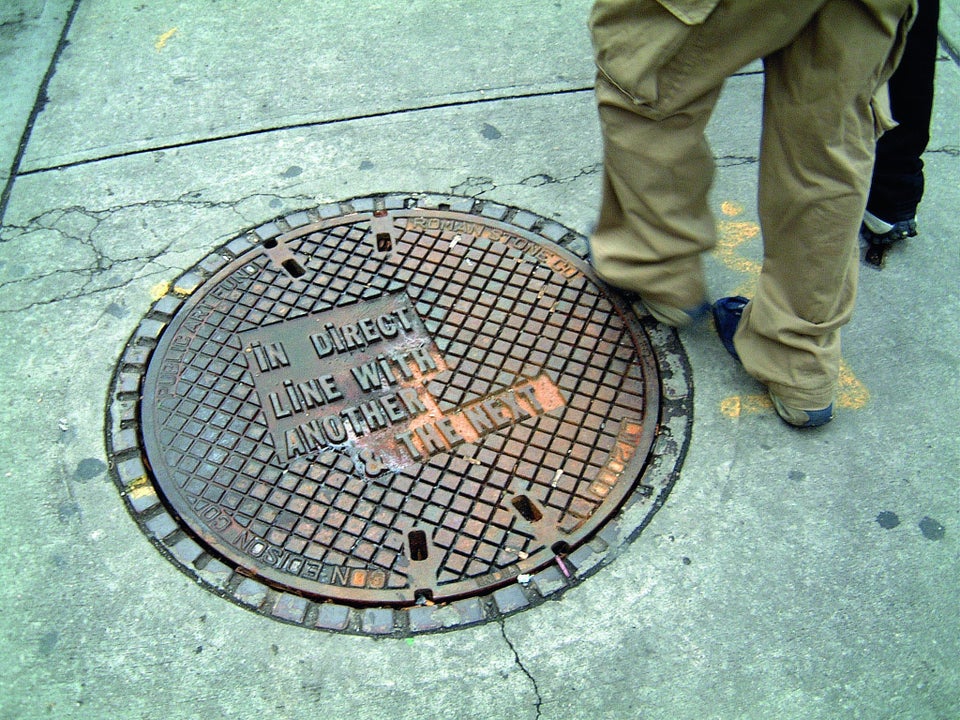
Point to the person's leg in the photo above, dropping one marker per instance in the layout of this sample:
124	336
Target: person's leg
897	185
650	237
816	158
654	220
659	81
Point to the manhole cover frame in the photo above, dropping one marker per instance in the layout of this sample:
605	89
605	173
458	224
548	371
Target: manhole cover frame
177	541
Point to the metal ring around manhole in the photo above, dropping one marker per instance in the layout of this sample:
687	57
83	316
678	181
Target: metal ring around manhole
396	414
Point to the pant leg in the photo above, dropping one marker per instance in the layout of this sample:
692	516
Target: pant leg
659	81
897	186
654	221
815	163
649	237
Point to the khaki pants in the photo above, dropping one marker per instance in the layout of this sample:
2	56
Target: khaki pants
825	67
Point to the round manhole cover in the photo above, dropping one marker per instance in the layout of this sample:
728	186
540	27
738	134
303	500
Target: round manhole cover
396	414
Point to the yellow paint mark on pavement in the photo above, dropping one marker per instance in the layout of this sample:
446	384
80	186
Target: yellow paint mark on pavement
140	488
731	209
162	41
159	290
183	291
851	395
737	405
733	234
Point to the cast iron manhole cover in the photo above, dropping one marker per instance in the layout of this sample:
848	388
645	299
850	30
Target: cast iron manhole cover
396	414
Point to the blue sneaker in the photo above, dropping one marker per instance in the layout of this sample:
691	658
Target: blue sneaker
726	315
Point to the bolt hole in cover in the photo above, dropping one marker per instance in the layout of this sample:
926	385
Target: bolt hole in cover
396	414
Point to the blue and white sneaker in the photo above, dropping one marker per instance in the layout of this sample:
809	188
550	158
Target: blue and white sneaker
726	316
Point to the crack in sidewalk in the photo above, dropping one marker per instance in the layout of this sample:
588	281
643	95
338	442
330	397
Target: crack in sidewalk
84	256
477	185
516	657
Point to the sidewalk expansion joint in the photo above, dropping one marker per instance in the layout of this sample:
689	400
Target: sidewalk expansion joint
38	106
397	112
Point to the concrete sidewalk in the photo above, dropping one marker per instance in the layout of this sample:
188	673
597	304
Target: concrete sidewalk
790	574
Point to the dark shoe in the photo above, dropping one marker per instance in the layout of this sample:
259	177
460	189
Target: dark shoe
880	236
877	232
726	316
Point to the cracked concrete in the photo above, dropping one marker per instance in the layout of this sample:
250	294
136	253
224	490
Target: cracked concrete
479	187
789	575
538	702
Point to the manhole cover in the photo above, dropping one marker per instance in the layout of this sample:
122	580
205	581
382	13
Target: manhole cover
396	414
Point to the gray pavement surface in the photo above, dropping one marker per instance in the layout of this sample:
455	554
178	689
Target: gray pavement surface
790	574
